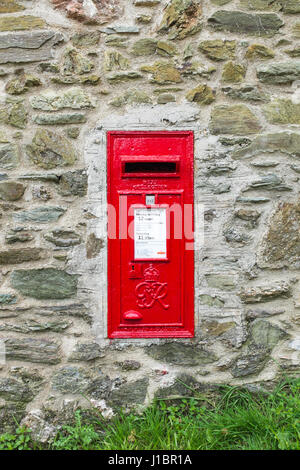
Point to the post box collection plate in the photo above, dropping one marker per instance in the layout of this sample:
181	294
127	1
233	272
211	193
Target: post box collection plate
150	234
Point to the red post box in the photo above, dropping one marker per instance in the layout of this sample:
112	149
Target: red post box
150	234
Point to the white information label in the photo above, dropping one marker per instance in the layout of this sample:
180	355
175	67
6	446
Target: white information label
150	233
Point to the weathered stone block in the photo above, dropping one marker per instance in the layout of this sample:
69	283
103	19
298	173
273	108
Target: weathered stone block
180	354
33	350
129	394
281	244
163	73
59	118
22	84
265	335
265	293
245	93
40	215
236	119
44	283
21	23
86	352
282	111
259	51
279	142
250	362
202	94
11	191
73	183
50	150
181	19
70	379
279	73
10	6
63	238
9	156
233	73
260	24
24	255
74	98
217	49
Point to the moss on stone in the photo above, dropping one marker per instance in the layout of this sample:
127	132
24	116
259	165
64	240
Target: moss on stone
233	73
21	23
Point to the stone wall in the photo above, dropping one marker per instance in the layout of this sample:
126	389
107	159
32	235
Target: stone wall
71	70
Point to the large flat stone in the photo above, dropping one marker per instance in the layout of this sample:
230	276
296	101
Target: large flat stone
33	350
280	246
28	47
182	18
279	72
236	120
44	283
260	24
180	354
40	215
279	142
50	150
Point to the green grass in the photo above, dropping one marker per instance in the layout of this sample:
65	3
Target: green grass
236	420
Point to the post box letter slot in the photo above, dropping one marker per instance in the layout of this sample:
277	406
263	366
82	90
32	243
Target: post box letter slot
150	167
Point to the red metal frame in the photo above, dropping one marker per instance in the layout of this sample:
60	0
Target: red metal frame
159	300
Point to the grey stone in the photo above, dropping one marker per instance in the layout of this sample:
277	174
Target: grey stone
93	246
70	310
180	354
281	142
264	293
186	385
265	335
22	237
221	281
30	326
40	177
129	364
11	191
252	314
117	77
268	182
32	46
7	299
63	238
279	72
15	391
100	387
237	119
22	255
9	156
33	350
232	234
129	394
120	29
86	352
73	183
280	246
74	98
250	362
40	215
70	379
261	24
59	118
211	301
245	93
44	283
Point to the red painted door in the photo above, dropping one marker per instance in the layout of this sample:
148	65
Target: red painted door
150	234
